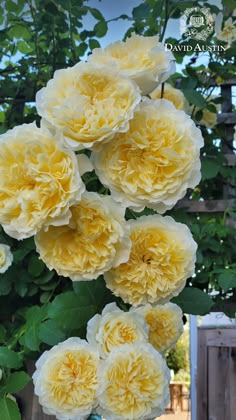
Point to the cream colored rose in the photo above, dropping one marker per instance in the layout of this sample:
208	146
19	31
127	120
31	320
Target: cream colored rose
208	118
66	380
39	181
155	162
88	105
162	257
171	94
143	59
96	239
165	323
6	258
114	328
134	383
228	32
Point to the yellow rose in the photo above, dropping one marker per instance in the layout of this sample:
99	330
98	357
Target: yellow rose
96	239
228	33
134	383
165	322
39	181
114	328
87	105
66	379
209	118
162	257
155	162
171	94
143	59
6	258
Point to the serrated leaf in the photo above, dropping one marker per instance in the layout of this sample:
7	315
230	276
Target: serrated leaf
209	169
71	310
194	301
9	409
9	358
50	332
227	280
15	382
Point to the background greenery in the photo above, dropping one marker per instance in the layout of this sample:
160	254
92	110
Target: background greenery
38	308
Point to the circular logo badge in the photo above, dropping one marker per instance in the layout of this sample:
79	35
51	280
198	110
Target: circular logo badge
197	23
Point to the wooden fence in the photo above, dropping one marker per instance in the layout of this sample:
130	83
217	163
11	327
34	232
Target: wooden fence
216	379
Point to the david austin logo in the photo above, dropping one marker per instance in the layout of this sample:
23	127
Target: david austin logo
196	23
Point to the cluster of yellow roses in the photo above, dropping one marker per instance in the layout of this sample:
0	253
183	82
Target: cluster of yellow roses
146	152
119	372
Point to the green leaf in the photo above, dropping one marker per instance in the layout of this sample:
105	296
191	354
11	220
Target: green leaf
15	382
11	6
194	301
188	83
34	316
9	409
35	266
93	43
9	358
50	333
6	282
194	98
99	294
71	310
101	28
141	11
20	31
227	280
209	169
24	48
96	14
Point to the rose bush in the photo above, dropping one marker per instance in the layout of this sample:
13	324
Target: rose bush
102	151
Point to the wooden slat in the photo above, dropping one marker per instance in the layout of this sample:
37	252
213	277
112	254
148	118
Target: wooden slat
227	118
208	206
201	376
221	337
37	412
218	370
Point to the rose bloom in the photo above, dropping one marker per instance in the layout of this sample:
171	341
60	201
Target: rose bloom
155	162
162	258
39	181
96	239
171	94
6	258
114	328
88	105
134	383
66	379
228	33
165	322
143	59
